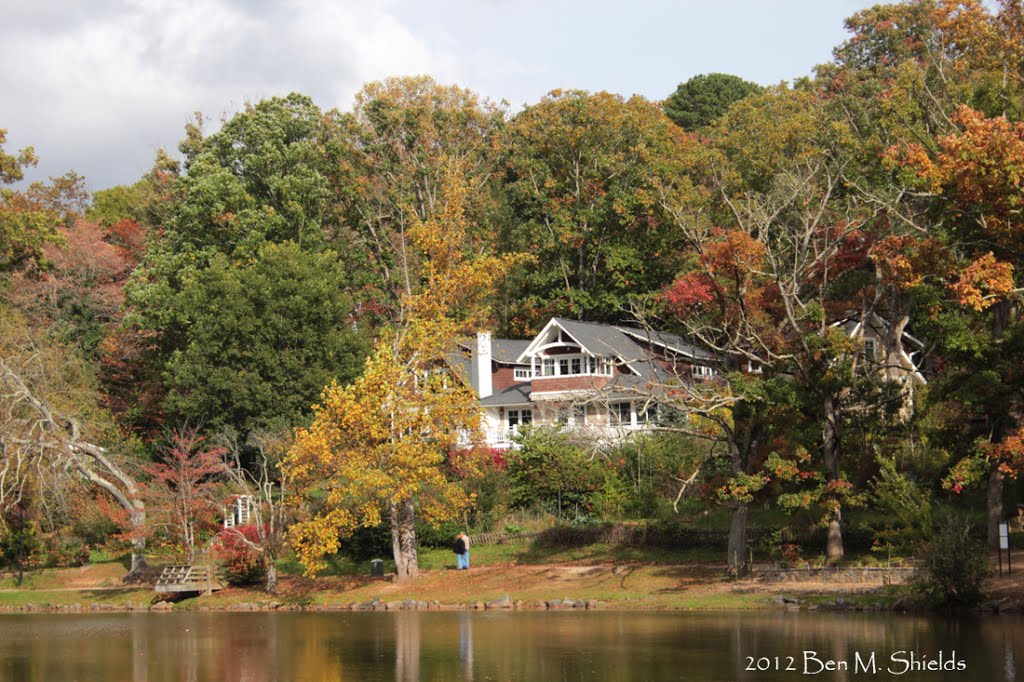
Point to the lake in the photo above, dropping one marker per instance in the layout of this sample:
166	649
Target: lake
509	646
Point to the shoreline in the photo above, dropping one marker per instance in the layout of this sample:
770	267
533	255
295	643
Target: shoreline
565	586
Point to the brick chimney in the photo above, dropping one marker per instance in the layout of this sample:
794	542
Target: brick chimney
481	365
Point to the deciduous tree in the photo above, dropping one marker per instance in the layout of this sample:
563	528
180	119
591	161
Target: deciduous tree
378	446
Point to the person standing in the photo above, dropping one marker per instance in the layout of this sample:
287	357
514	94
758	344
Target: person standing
461	549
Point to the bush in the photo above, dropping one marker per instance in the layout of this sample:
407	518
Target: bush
440	536
956	564
368	543
242	563
64	549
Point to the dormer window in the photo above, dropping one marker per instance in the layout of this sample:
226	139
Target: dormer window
572	365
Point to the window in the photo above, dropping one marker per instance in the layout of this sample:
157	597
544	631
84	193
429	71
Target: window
703	372
517	418
870	350
573	365
523	373
754	367
619	414
579	415
649	414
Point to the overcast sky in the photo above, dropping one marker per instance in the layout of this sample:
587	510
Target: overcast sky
97	87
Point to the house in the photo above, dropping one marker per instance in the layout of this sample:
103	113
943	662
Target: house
586	377
896	364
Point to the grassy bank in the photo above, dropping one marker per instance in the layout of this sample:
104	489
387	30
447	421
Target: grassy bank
613	576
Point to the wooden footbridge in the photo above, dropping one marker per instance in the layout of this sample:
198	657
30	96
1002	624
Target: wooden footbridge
193	578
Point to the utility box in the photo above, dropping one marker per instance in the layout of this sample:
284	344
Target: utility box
377	568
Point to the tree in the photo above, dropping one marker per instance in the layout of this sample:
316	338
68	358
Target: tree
590	178
967	286
52	427
262	340
182	490
703	99
261	181
29	218
394	150
262	482
379	444
777	287
80	292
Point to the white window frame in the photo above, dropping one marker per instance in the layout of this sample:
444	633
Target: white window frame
702	371
522	373
573	365
521	417
615	417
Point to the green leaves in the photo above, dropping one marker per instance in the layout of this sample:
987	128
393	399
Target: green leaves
262	340
592	180
703	99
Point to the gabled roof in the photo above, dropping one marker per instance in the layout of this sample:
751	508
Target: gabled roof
618	342
598	339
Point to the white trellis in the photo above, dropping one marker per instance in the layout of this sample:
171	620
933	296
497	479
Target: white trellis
239	513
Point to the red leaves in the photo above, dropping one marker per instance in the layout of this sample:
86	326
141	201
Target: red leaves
688	292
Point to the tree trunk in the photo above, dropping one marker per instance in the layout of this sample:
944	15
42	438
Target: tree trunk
137	515
403	539
995	507
738	540
271	586
834	545
830	451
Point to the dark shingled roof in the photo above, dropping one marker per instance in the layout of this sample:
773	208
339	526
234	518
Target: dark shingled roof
507	351
516	394
621	342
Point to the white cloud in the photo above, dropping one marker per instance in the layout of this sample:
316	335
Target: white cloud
101	93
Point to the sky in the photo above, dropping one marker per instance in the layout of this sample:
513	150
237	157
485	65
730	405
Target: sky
98	87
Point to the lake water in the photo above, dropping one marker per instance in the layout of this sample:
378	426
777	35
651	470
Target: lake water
509	646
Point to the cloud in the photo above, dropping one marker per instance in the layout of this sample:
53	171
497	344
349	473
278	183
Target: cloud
100	92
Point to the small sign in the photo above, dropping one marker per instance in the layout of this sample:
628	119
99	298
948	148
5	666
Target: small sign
1004	536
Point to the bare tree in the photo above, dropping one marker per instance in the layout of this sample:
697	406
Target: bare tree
36	438
261	480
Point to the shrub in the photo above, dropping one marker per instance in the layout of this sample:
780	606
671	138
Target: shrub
242	563
64	549
956	564
368	543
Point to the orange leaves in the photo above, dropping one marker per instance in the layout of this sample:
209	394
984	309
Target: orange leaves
983	282
1009	454
735	256
905	260
981	168
913	157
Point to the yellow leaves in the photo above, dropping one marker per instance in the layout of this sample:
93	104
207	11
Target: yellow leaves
384	439
983	282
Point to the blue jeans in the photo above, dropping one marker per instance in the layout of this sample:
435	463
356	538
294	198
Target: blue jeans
462	560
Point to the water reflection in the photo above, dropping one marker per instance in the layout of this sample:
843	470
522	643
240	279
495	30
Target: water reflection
526	646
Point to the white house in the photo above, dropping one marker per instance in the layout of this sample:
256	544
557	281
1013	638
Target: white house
578	375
